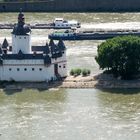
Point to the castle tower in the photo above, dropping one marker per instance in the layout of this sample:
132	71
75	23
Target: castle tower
21	36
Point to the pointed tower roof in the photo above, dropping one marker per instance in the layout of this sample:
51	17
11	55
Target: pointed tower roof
47	49
61	45
51	43
47	44
5	44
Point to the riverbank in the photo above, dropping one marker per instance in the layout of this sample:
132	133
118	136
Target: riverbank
99	81
104	81
71	6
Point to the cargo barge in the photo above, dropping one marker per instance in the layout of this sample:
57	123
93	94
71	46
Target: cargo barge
90	35
58	23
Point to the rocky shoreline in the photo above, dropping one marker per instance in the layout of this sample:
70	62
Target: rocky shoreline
99	81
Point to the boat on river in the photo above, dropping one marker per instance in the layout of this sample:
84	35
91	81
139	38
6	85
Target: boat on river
58	23
90	35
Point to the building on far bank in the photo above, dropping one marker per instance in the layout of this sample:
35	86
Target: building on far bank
24	62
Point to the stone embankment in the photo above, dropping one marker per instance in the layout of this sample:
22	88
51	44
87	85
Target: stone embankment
103	81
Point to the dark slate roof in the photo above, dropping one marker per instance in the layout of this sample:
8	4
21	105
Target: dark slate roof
47	45
61	45
54	48
20	56
1	52
57	55
44	49
51	43
21	29
20	52
24	56
5	44
47	60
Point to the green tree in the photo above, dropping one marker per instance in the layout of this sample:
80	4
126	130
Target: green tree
120	56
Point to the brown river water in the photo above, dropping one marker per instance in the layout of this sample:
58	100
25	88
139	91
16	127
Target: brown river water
72	114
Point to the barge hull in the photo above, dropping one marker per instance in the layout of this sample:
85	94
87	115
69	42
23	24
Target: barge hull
91	37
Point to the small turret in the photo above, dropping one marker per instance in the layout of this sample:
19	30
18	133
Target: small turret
47	49
5	45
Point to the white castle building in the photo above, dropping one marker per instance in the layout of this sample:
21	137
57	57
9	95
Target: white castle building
23	62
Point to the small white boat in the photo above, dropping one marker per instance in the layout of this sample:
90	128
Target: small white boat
60	23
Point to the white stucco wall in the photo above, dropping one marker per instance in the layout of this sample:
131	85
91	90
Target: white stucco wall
30	70
21	42
24	71
62	65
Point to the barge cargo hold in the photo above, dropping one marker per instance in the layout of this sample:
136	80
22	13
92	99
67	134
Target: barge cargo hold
70	5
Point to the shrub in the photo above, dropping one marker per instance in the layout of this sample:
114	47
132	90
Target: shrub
120	56
85	72
75	72
72	72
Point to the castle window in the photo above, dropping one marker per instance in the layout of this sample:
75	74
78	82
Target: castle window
25	69
40	69
33	69
18	69
64	66
24	37
59	66
10	69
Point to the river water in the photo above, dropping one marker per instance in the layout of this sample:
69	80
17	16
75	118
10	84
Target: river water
72	114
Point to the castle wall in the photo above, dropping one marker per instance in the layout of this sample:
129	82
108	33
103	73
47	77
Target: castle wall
30	70
26	70
73	5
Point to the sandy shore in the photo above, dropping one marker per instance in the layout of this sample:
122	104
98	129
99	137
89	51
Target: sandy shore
95	81
99	81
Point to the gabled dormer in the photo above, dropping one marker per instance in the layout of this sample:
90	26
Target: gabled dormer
61	45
